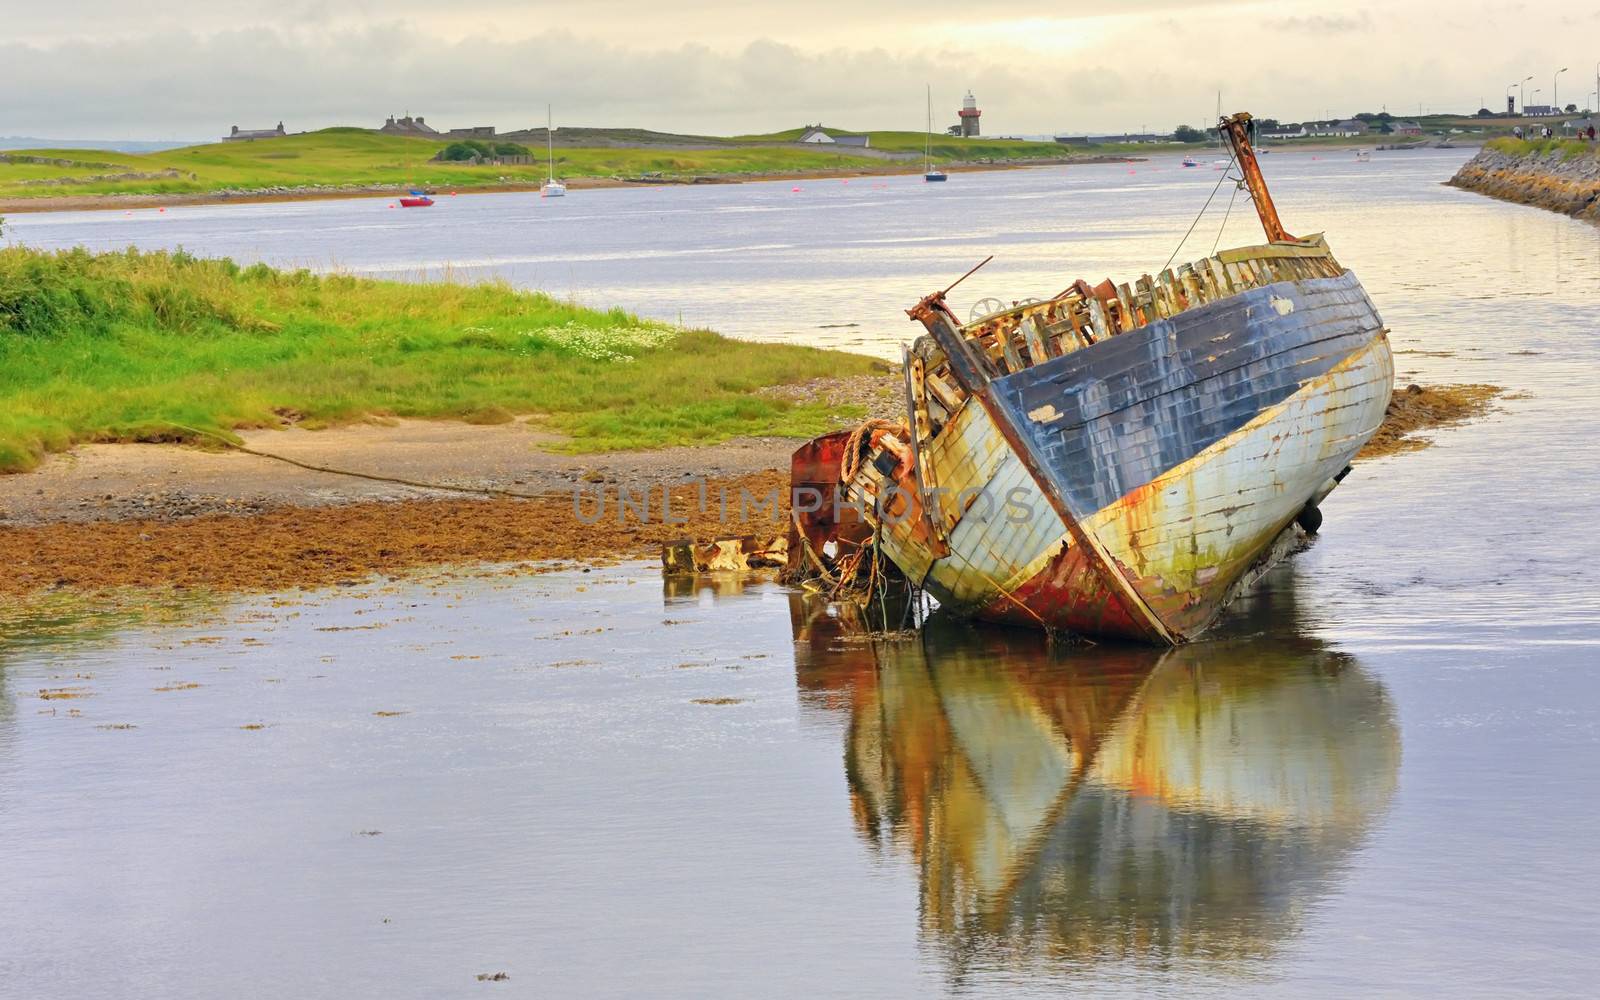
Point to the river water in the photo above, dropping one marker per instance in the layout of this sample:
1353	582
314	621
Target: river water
1377	776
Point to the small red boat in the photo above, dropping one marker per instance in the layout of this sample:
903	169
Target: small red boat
416	201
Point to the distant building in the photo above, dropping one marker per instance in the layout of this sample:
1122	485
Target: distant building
471	132
969	115
1297	132
408	126
1539	110
1406	128
1346	129
818	135
247	134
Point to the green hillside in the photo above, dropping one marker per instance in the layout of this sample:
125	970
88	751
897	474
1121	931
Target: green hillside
348	157
945	147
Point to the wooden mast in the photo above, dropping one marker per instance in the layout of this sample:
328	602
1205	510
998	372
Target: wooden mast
1237	129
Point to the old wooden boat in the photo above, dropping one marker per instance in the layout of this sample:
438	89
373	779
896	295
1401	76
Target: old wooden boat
1120	460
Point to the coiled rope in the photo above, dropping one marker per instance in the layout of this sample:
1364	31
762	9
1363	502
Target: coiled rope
850	464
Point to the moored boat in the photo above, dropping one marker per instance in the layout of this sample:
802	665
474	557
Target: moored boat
417	199
551	188
929	174
1123	459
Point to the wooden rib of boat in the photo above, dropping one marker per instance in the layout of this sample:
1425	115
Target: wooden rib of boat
1122	459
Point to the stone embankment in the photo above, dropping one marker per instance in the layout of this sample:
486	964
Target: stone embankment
1564	178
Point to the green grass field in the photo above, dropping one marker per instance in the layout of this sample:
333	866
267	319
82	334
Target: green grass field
342	157
1570	149
138	346
351	157
944	147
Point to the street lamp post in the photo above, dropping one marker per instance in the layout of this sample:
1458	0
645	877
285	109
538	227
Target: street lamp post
1555	95
1523	91
1509	88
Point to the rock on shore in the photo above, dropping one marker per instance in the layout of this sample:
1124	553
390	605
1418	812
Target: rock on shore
1551	179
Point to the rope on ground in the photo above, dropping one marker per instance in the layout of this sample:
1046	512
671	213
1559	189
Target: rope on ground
493	491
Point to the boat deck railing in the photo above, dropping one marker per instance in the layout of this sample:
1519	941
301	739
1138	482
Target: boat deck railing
1033	332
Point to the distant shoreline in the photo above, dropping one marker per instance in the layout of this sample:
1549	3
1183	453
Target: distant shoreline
109	202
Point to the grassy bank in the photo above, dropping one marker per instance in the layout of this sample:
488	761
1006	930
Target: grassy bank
137	346
352	158
344	157
1570	149
944	147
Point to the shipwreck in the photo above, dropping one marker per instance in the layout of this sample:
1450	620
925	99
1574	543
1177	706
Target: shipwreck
1120	460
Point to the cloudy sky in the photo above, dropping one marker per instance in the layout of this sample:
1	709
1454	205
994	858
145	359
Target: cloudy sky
191	68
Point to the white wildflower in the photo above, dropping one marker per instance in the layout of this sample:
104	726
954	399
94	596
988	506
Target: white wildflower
605	343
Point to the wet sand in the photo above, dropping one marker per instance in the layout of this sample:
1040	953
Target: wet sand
292	547
168	516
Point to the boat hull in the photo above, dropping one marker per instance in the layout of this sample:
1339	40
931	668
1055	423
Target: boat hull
1185	449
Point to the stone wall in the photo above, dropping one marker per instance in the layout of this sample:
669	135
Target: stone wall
1551	179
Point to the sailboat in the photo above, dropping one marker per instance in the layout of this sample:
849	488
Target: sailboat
929	175
1219	164
551	188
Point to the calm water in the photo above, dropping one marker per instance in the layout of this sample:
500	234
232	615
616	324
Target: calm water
1378	777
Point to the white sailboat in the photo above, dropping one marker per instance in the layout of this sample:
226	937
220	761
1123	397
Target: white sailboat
551	188
930	175
1219	164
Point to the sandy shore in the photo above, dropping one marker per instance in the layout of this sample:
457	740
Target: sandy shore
169	516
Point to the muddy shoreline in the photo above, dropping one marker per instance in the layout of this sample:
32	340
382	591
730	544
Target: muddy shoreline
178	518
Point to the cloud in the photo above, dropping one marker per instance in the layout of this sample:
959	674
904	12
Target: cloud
1325	24
180	82
727	67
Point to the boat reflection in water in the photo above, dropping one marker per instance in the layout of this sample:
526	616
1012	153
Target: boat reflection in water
1064	806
